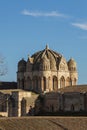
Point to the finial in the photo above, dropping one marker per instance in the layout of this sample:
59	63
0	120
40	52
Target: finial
47	46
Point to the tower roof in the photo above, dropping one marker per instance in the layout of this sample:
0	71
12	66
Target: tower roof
72	62
22	62
50	54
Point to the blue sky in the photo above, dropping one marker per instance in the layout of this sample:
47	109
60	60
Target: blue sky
26	26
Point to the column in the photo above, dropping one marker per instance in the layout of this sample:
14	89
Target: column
47	88
58	83
42	84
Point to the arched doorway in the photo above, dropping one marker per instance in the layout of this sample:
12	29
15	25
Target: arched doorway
23	107
12	111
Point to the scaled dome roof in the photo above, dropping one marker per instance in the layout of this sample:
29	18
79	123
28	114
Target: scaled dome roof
47	54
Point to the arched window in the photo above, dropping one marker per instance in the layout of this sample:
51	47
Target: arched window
35	83
22	84
18	83
49	83
55	83
44	83
62	82
29	83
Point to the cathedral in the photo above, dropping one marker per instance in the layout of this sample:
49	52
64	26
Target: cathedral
46	71
45	82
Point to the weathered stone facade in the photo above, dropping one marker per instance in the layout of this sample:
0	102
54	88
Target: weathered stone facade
16	102
46	70
66	102
19	102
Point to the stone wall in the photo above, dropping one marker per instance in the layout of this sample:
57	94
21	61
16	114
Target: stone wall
73	102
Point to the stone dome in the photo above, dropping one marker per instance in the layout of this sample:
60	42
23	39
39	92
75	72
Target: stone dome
22	62
47	56
22	65
46	71
72	64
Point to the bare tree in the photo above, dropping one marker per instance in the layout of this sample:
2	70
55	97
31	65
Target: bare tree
3	67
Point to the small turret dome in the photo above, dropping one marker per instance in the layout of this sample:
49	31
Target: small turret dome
72	64
22	65
22	62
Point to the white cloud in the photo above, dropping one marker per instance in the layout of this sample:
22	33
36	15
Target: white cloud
80	25
44	14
